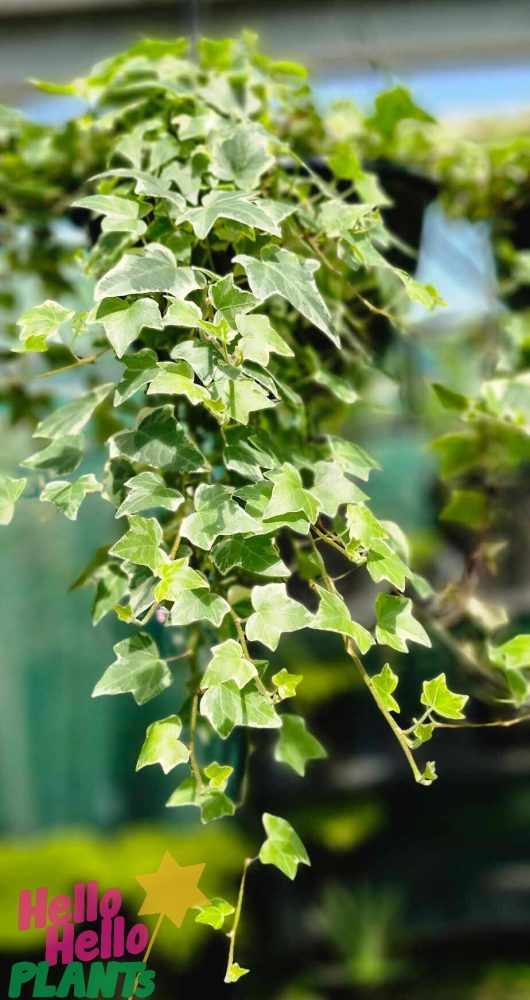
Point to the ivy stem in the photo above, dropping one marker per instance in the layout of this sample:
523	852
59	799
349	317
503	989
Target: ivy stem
75	364
232	935
193	732
242	639
350	650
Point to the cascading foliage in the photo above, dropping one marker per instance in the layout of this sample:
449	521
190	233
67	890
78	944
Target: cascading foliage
236	290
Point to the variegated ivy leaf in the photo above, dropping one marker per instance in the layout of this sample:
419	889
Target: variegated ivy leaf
336	385
274	614
202	358
216	513
363	528
71	418
259	339
159	441
228	663
111	586
62	456
123	322
235	972
139	369
255	554
137	669
151	270
282	272
10	491
437	697
257	497
383	564
240	396
296	746
227	706
249	209
352	458
162	745
68	497
385	684
212	803
39	323
146	491
230	301
333	616
121	214
241	157
186	314
283	847
173	379
332	488
141	543
289	495
176	577
396	624
245	453
149	185
199	606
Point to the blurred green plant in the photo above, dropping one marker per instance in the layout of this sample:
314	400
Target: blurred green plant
364	928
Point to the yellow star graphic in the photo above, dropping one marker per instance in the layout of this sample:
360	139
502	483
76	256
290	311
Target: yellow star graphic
171	890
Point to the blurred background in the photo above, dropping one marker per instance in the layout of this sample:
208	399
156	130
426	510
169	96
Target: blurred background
414	893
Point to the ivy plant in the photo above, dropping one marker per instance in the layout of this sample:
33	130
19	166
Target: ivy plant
234	286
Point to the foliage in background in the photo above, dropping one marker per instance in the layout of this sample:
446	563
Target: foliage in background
239	280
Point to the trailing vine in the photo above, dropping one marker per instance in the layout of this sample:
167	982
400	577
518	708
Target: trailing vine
234	292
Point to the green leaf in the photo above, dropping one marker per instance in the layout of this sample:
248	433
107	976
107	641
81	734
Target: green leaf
226	706
201	358
513	654
255	554
437	696
151	270
429	774
240	396
170	381
162	745
295	745
274	613
39	323
111	586
70	419
61	456
214	913
259	339
249	209
352	459
385	684
68	497
137	668
242	157
161	442
228	663
234	972
469	507
229	301
218	775
123	322
396	625
337	386
121	215
186	314
363	527
283	847
332	489
216	513
212	803
176	577
148	490
333	616
199	605
139	369
289	496
281	272
141	543
383	564
286	683
10	490
245	454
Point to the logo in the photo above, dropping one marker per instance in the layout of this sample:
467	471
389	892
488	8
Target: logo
90	951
